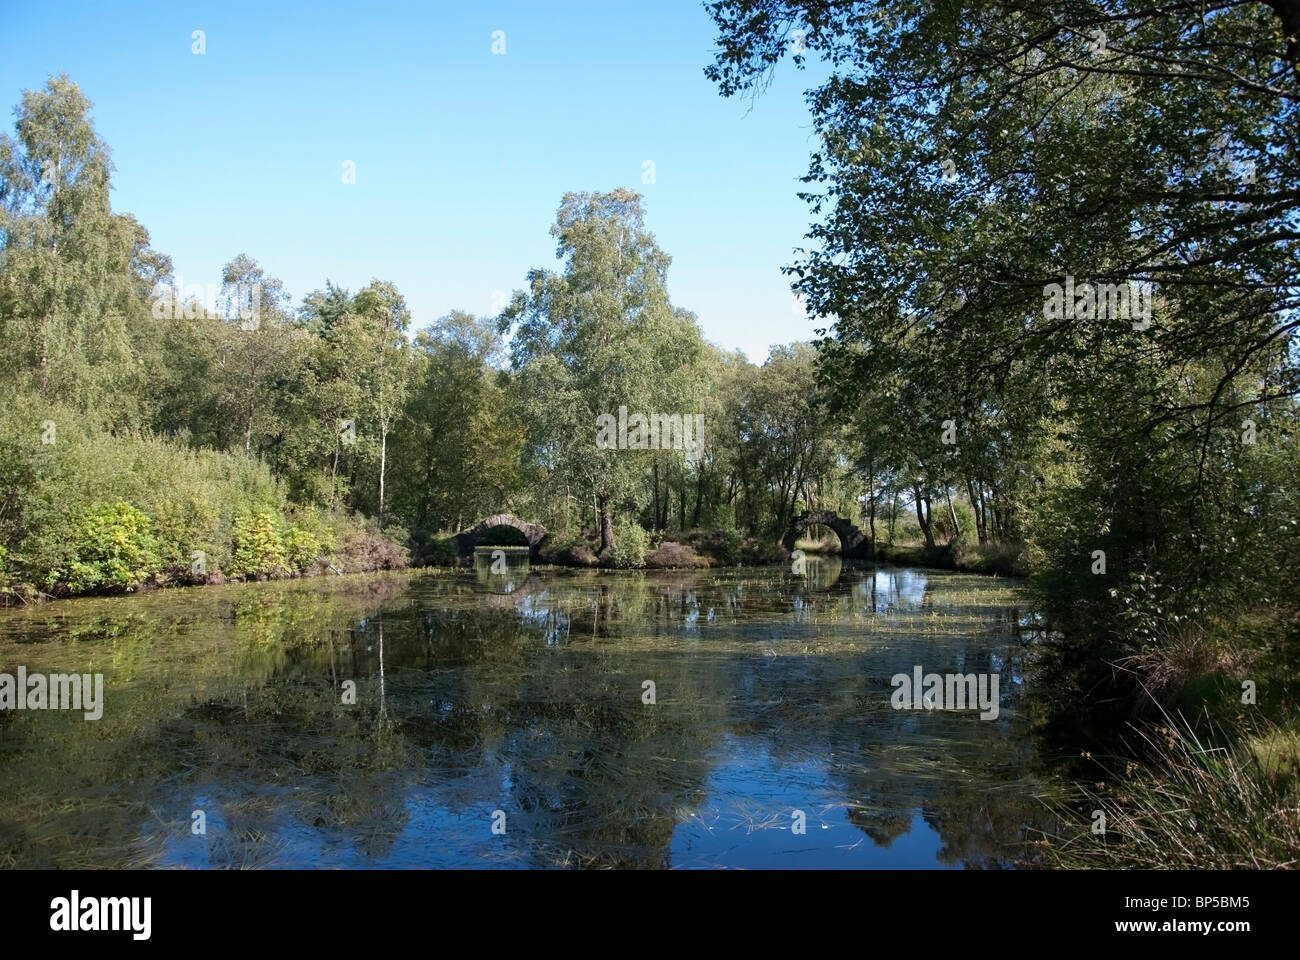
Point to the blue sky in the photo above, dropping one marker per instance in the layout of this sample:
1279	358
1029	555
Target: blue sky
461	155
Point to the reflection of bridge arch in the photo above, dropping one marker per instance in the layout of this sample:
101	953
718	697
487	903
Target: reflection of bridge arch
853	542
534	533
531	586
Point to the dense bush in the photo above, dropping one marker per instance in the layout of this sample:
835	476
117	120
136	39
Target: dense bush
671	554
116	549
362	548
631	543
966	529
718	547
302	548
257	548
758	550
434	551
59	516
570	550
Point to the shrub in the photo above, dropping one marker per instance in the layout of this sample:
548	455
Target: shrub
115	550
256	547
722	547
670	554
757	550
728	549
301	548
190	496
434	552
571	551
631	542
362	549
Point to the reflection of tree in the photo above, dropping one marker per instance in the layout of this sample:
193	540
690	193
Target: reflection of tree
888	817
531	702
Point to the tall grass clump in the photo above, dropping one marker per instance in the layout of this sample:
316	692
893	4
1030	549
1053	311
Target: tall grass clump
1189	803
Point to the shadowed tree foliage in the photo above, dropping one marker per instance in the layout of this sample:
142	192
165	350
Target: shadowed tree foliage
1069	233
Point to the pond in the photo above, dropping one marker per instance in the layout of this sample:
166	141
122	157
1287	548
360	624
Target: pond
503	716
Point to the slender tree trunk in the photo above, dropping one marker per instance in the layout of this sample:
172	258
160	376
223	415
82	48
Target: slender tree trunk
606	521
423	515
654	491
53	316
383	464
681	499
975	509
699	493
45	349
334	476
952	515
922	517
871	513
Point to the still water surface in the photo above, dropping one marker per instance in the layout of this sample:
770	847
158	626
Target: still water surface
519	699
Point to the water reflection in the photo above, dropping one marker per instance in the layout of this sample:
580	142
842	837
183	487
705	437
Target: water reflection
523	690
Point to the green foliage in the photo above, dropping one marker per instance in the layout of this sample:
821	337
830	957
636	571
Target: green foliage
257	548
191	496
301	548
197	415
440	552
115	550
631	543
966	532
960	189
463	474
727	548
595	338
73	275
570	549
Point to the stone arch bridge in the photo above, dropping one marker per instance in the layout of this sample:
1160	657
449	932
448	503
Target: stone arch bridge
854	544
467	541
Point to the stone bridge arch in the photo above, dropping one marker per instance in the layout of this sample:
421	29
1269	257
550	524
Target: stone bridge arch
467	541
854	544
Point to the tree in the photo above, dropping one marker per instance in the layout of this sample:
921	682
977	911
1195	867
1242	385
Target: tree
74	277
1072	230
599	337
383	362
332	391
257	355
458	440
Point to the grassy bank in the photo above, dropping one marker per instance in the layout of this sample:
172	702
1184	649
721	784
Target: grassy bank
1176	798
84	511
1003	560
